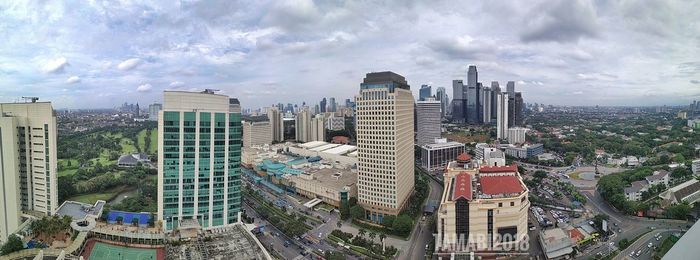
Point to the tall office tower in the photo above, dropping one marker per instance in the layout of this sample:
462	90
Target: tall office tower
27	162
276	123
137	111
290	108
153	110
511	103
502	116
495	91
428	121
302	125
384	144
348	103
332	106
441	95
458	102
280	107
480	104
318	128
199	155
518	107
472	96
486	105
323	105
256	133
424	92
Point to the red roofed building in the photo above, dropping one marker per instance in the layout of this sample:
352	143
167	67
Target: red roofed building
490	203
464	157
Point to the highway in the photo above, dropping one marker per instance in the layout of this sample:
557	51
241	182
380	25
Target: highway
423	232
642	245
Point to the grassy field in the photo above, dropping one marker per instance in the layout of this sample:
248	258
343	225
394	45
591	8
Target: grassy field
67	170
93	197
466	138
153	146
666	245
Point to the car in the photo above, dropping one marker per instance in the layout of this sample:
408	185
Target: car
658	238
650	245
638	252
286	243
615	224
533	228
632	254
320	235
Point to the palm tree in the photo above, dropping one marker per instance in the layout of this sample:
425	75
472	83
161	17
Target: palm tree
339	224
361	232
372	235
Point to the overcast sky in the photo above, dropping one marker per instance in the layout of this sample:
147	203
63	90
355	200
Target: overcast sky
103	53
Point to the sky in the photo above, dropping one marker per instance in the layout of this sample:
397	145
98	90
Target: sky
99	54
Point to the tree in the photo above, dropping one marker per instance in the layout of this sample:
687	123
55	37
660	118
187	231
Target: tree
598	220
13	244
403	224
357	212
339	224
388	221
372	235
120	219
361	232
624	243
540	174
678	211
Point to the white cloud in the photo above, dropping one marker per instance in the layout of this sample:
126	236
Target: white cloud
73	80
176	84
577	93
144	88
129	64
56	66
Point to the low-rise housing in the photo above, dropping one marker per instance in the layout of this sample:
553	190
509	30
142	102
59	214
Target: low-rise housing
688	191
556	244
131	160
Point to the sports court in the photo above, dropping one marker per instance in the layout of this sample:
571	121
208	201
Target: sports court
102	251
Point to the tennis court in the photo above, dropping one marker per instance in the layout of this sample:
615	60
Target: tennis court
102	251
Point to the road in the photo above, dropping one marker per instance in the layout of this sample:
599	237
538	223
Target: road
423	232
641	245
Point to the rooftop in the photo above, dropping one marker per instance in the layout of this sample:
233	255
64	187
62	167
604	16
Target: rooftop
464	157
79	210
462	186
495	169
496	185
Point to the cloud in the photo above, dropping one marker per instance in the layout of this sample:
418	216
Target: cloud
464	47
695	81
577	93
129	64
564	21
596	76
293	14
56	66
176	84
144	88
73	80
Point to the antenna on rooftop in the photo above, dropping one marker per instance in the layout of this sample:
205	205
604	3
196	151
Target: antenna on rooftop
32	99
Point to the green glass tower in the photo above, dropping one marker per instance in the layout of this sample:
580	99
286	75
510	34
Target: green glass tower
199	155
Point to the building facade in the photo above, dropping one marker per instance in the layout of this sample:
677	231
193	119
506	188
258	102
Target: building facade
302	125
27	162
435	156
502	116
473	94
335	123
482	209
427	121
458	101
384	144
153	110
318	128
256	133
199	155
425	92
516	135
441	95
276	123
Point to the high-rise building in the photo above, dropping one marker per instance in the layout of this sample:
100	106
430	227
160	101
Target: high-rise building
318	128
518	109
323	105
516	135
502	116
458	101
332	106
424	92
427	121
435	156
511	103
276	123
495	91
384	144
335	122
441	95
199	155
256	133
473	93
486	105
153	110
27	162
302	125
137	111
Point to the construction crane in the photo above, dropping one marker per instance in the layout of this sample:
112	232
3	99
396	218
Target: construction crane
32	99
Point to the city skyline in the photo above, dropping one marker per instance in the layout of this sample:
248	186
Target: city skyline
97	56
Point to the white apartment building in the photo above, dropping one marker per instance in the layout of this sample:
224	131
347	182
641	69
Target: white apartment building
256	133
318	128
516	135
502	116
27	162
384	144
335	123
302	125
696	167
276	123
428	121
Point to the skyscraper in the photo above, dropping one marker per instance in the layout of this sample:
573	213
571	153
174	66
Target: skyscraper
256	133
472	113
427	121
153	110
302	125
384	144
276	123
27	162
441	95
495	91
318	128
332	106
323	105
458	102
199	155
502	116
518	109
424	92
486	105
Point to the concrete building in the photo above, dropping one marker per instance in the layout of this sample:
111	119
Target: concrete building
256	133
385	144
495	91
335	123
153	110
634	192
473	93
27	162
427	121
199	156
486	105
458	101
302	125
336	153
688	191
441	95
276	123
502	116
494	157
318	128
556	243
525	151
695	166
486	207
436	155
332	105
425	92
516	135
